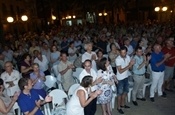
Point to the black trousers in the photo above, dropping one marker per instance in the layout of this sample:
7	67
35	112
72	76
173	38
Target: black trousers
91	108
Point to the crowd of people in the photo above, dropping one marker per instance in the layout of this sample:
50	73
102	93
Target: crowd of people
110	55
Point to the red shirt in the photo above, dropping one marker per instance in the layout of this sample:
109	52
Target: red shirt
170	62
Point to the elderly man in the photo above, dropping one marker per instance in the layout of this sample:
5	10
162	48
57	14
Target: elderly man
157	65
10	78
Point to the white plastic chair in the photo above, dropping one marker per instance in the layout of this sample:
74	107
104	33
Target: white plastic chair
15	106
50	81
76	74
130	90
55	70
59	82
58	97
147	83
72	89
113	100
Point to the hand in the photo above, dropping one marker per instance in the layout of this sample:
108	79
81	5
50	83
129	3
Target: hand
15	96
95	94
38	103
93	57
115	79
99	80
11	84
132	62
167	55
48	99
148	58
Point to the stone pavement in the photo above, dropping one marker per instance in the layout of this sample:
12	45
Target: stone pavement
161	106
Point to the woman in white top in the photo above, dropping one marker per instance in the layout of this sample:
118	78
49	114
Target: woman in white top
6	103
89	54
72	51
80	99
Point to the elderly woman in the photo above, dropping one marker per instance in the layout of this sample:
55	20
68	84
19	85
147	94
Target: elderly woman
6	103
38	78
80	98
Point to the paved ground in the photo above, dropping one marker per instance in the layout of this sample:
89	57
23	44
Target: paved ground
161	106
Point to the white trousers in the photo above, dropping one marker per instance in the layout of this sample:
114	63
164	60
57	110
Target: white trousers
157	82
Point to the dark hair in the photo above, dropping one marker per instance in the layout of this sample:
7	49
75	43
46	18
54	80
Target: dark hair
101	64
111	46
25	56
138	48
88	60
23	82
71	43
99	51
123	48
63	52
86	81
1	81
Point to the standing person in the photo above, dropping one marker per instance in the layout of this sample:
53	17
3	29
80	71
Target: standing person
123	63
130	50
89	54
139	75
80	99
112	56
65	69
28	100
105	98
158	67
90	109
72	51
38	79
6	103
169	64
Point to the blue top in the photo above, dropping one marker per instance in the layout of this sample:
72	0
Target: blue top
40	83
138	61
27	102
156	58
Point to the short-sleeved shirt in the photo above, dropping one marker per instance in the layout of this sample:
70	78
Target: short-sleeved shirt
138	61
171	51
43	65
39	84
27	102
156	58
123	62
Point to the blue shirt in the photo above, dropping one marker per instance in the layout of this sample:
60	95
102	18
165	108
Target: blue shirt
138	61
27	102
156	58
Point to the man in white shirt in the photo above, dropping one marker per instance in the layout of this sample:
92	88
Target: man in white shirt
123	63
90	109
10	78
43	63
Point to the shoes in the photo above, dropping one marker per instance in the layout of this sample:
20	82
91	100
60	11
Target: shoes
164	96
135	103
125	106
164	93
152	99
120	111
142	99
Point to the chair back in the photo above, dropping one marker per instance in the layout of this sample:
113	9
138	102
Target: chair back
77	73
72	89
50	81
58	97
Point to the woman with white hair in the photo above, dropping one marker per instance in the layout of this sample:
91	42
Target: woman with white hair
89	54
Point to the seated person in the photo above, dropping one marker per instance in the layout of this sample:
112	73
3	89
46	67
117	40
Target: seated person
10	78
6	103
38	78
28	100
